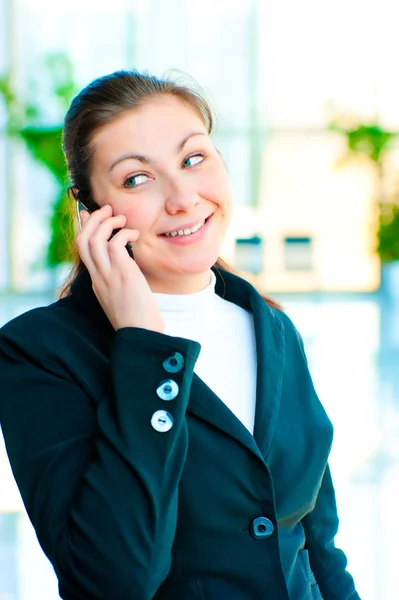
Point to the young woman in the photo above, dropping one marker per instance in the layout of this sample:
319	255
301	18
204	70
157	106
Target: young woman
160	419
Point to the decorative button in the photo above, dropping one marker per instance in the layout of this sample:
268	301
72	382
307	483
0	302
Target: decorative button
162	421
262	528
168	390
174	363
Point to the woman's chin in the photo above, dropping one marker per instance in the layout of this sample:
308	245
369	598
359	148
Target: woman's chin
186	279
187	265
197	265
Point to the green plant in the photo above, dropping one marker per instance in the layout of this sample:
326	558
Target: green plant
388	233
368	140
26	120
374	143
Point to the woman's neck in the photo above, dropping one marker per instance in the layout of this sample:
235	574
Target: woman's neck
180	285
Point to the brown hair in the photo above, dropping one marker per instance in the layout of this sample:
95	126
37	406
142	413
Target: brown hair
100	103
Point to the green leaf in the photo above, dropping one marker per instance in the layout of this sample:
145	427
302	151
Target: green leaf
61	246
45	146
369	140
388	233
24	116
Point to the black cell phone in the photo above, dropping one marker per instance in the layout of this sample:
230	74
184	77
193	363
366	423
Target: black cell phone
80	206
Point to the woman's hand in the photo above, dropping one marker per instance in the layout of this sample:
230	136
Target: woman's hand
120	286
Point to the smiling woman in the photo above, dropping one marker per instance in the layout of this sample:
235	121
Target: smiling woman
157	166
160	418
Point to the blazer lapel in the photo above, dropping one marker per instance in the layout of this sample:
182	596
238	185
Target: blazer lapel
270	350
206	405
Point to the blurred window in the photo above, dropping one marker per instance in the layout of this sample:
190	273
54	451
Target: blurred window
298	253
249	254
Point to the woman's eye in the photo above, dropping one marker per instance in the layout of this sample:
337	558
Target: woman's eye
135	180
194	158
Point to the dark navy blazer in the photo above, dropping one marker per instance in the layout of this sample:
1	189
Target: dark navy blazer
203	511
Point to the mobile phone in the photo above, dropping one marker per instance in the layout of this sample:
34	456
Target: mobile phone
80	206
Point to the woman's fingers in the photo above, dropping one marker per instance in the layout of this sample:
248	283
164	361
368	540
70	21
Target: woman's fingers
90	241
98	248
98	243
90	221
124	236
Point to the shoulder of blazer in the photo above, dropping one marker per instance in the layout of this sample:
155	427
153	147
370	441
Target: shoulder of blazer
47	335
41	336
234	288
78	310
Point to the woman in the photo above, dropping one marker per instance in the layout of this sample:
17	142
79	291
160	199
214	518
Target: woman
160	418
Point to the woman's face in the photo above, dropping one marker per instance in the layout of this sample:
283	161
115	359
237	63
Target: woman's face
158	166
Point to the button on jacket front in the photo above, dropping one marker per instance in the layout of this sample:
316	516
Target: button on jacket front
141	484
262	528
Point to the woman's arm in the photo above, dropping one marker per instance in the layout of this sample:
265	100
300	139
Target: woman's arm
99	483
328	563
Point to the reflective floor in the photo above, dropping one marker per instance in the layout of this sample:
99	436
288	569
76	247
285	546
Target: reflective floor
352	344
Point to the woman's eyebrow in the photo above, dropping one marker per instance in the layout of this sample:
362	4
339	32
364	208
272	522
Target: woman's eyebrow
148	161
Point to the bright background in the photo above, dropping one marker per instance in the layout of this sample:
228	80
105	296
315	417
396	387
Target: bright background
278	72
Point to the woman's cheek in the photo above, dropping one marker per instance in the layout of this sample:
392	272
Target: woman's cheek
139	217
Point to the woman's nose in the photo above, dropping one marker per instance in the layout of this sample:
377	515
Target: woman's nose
181	198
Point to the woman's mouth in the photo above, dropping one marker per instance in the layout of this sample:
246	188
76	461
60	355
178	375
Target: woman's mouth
186	231
187	236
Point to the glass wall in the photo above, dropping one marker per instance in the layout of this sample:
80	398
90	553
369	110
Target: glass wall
191	41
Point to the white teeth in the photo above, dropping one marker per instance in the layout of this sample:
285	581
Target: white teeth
185	231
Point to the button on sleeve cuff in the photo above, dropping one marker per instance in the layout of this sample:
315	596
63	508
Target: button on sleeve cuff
139	392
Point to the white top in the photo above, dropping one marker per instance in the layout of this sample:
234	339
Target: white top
227	361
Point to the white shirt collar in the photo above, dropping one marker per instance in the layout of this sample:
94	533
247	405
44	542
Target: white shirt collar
188	303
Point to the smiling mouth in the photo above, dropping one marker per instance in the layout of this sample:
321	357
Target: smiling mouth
186	232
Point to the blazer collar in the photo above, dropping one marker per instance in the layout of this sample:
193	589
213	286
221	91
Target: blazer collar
270	348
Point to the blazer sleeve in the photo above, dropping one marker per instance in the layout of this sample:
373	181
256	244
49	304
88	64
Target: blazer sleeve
328	563
99	483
